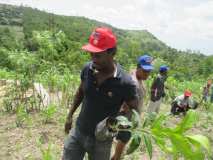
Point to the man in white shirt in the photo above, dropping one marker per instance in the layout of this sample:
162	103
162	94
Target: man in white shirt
139	75
181	104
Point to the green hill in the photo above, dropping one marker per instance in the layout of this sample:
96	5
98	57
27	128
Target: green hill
18	23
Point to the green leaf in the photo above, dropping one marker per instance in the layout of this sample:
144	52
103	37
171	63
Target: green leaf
148	144
134	143
161	142
198	151
158	122
135	119
202	140
182	145
187	122
149	118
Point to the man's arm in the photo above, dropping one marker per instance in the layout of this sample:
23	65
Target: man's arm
76	102
123	137
154	89
133	104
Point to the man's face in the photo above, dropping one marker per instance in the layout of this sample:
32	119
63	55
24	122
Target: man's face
186	97
165	75
101	60
142	74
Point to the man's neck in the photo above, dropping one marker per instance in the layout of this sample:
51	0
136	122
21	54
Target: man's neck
137	77
110	69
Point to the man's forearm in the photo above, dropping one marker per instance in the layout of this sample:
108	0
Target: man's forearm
134	104
77	101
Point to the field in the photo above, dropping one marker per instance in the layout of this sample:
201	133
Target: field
38	133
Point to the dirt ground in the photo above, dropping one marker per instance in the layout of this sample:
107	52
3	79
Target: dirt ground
31	141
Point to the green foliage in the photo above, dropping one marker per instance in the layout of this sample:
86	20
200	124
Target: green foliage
179	145
8	40
48	113
58	39
5	74
134	144
48	152
189	120
172	140
148	143
21	116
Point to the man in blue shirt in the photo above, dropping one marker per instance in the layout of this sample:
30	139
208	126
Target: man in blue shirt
103	89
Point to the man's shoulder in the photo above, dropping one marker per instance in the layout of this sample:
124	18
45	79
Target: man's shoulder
125	77
180	97
88	65
85	70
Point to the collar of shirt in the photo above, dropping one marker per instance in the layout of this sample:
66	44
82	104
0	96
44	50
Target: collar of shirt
117	72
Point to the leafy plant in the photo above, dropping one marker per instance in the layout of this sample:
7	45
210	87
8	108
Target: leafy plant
21	116
171	140
48	113
47	152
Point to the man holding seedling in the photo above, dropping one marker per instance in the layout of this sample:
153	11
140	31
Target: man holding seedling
157	89
139	75
103	89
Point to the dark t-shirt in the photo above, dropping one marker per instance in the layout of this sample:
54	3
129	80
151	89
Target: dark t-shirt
105	100
157	88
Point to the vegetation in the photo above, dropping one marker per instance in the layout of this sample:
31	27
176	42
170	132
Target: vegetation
41	47
40	28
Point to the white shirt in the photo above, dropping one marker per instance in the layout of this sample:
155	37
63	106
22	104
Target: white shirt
140	89
181	101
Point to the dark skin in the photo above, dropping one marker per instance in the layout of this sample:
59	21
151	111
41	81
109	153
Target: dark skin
105	66
142	74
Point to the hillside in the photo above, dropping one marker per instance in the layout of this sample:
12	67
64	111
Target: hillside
18	23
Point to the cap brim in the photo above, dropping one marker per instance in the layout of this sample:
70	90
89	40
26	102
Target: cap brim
91	48
147	67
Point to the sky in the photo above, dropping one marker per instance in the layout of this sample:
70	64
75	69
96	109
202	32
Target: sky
181	24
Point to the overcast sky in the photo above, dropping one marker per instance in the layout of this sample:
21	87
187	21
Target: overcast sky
182	24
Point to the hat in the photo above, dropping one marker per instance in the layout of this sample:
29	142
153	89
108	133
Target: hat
145	62
164	68
187	93
100	40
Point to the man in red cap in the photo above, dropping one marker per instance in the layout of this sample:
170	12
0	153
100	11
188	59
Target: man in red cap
103	89
181	104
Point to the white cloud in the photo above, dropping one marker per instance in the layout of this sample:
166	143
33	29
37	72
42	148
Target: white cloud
181	24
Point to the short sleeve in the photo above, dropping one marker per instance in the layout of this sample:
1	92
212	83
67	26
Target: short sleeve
130	90
84	71
123	136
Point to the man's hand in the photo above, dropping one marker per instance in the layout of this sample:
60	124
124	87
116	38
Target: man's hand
68	125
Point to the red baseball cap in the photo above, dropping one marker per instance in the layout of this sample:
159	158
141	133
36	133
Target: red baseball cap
187	93
100	40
